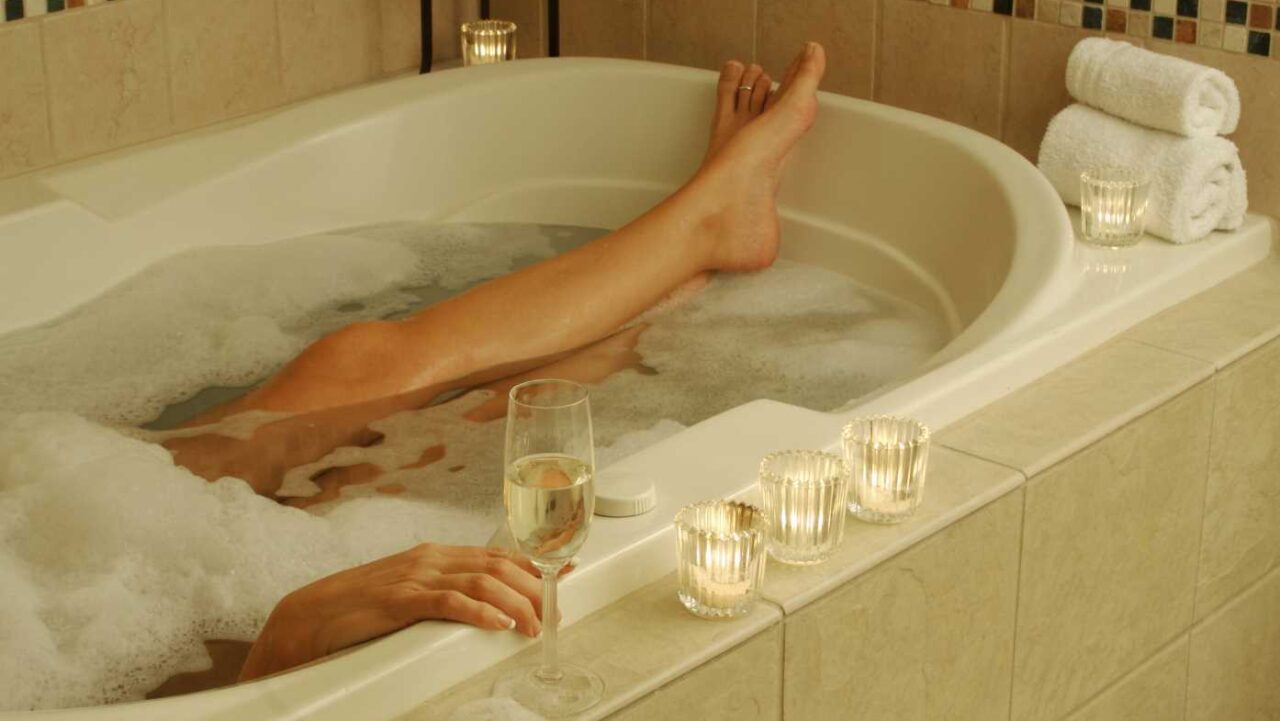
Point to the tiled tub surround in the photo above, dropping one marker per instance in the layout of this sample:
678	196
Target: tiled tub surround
113	74
1100	545
990	67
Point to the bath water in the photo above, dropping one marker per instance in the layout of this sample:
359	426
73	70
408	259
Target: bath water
117	564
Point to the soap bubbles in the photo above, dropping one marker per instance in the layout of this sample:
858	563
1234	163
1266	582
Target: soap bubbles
116	565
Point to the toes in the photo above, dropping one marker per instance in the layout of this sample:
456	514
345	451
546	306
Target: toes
746	87
809	67
730	79
790	75
760	92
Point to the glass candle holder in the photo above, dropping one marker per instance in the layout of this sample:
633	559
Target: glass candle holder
720	557
887	459
1113	206
488	41
805	493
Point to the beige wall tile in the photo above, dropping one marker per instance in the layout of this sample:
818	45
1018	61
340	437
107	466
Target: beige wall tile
602	28
1066	410
1109	556
1235	659
224	58
530	17
1223	323
958	484
108	77
1241	538
1259	83
846	28
446	26
24	118
704	34
328	44
927	635
744	684
945	63
1037	81
1155	691
638	645
402	32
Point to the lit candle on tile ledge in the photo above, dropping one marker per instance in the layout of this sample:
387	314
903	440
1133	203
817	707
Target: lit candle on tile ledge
887	459
804	495
1113	206
720	557
488	41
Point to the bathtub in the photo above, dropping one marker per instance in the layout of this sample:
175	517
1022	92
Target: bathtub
932	212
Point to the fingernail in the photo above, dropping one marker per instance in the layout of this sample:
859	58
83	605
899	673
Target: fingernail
506	621
809	48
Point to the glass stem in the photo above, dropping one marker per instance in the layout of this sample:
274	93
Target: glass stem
549	671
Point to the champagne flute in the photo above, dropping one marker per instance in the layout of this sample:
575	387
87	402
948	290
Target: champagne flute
549	495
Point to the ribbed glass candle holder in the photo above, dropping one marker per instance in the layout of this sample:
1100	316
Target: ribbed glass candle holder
720	557
887	459
488	41
804	494
1113	206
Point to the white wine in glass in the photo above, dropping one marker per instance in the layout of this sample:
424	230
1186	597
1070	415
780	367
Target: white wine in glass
549	495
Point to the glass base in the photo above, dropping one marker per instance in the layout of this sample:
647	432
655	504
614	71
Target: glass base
882	518
577	690
1112	241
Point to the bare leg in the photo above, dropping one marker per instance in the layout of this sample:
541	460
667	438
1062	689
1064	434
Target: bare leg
724	218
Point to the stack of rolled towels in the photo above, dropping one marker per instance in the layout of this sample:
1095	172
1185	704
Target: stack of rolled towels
1162	116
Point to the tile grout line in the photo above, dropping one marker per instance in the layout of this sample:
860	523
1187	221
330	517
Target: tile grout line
48	97
1188	356
1017	602
1130	673
1006	77
1025	477
168	62
644	29
877	46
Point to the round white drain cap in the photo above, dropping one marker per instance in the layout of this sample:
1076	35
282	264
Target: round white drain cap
620	494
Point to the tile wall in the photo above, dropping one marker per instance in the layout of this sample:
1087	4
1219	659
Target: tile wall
111	74
1099	545
79	77
994	65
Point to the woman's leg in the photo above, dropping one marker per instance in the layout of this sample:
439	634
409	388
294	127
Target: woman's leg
724	218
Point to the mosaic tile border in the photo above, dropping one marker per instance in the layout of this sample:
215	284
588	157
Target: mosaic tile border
19	9
1237	26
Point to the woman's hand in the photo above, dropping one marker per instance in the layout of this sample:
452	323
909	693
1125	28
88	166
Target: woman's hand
486	587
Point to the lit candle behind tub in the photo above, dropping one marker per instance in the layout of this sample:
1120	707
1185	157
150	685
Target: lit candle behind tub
488	41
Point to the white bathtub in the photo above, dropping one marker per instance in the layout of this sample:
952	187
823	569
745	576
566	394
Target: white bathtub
935	213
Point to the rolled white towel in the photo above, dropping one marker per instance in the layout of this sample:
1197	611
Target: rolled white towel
1154	90
1197	184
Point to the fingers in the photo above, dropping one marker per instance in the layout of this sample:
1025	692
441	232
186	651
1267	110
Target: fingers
454	605
760	92
489	590
747	86
522	579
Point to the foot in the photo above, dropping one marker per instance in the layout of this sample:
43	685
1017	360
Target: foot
752	137
741	96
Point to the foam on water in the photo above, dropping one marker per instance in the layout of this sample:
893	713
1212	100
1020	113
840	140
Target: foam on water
228	316
116	564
